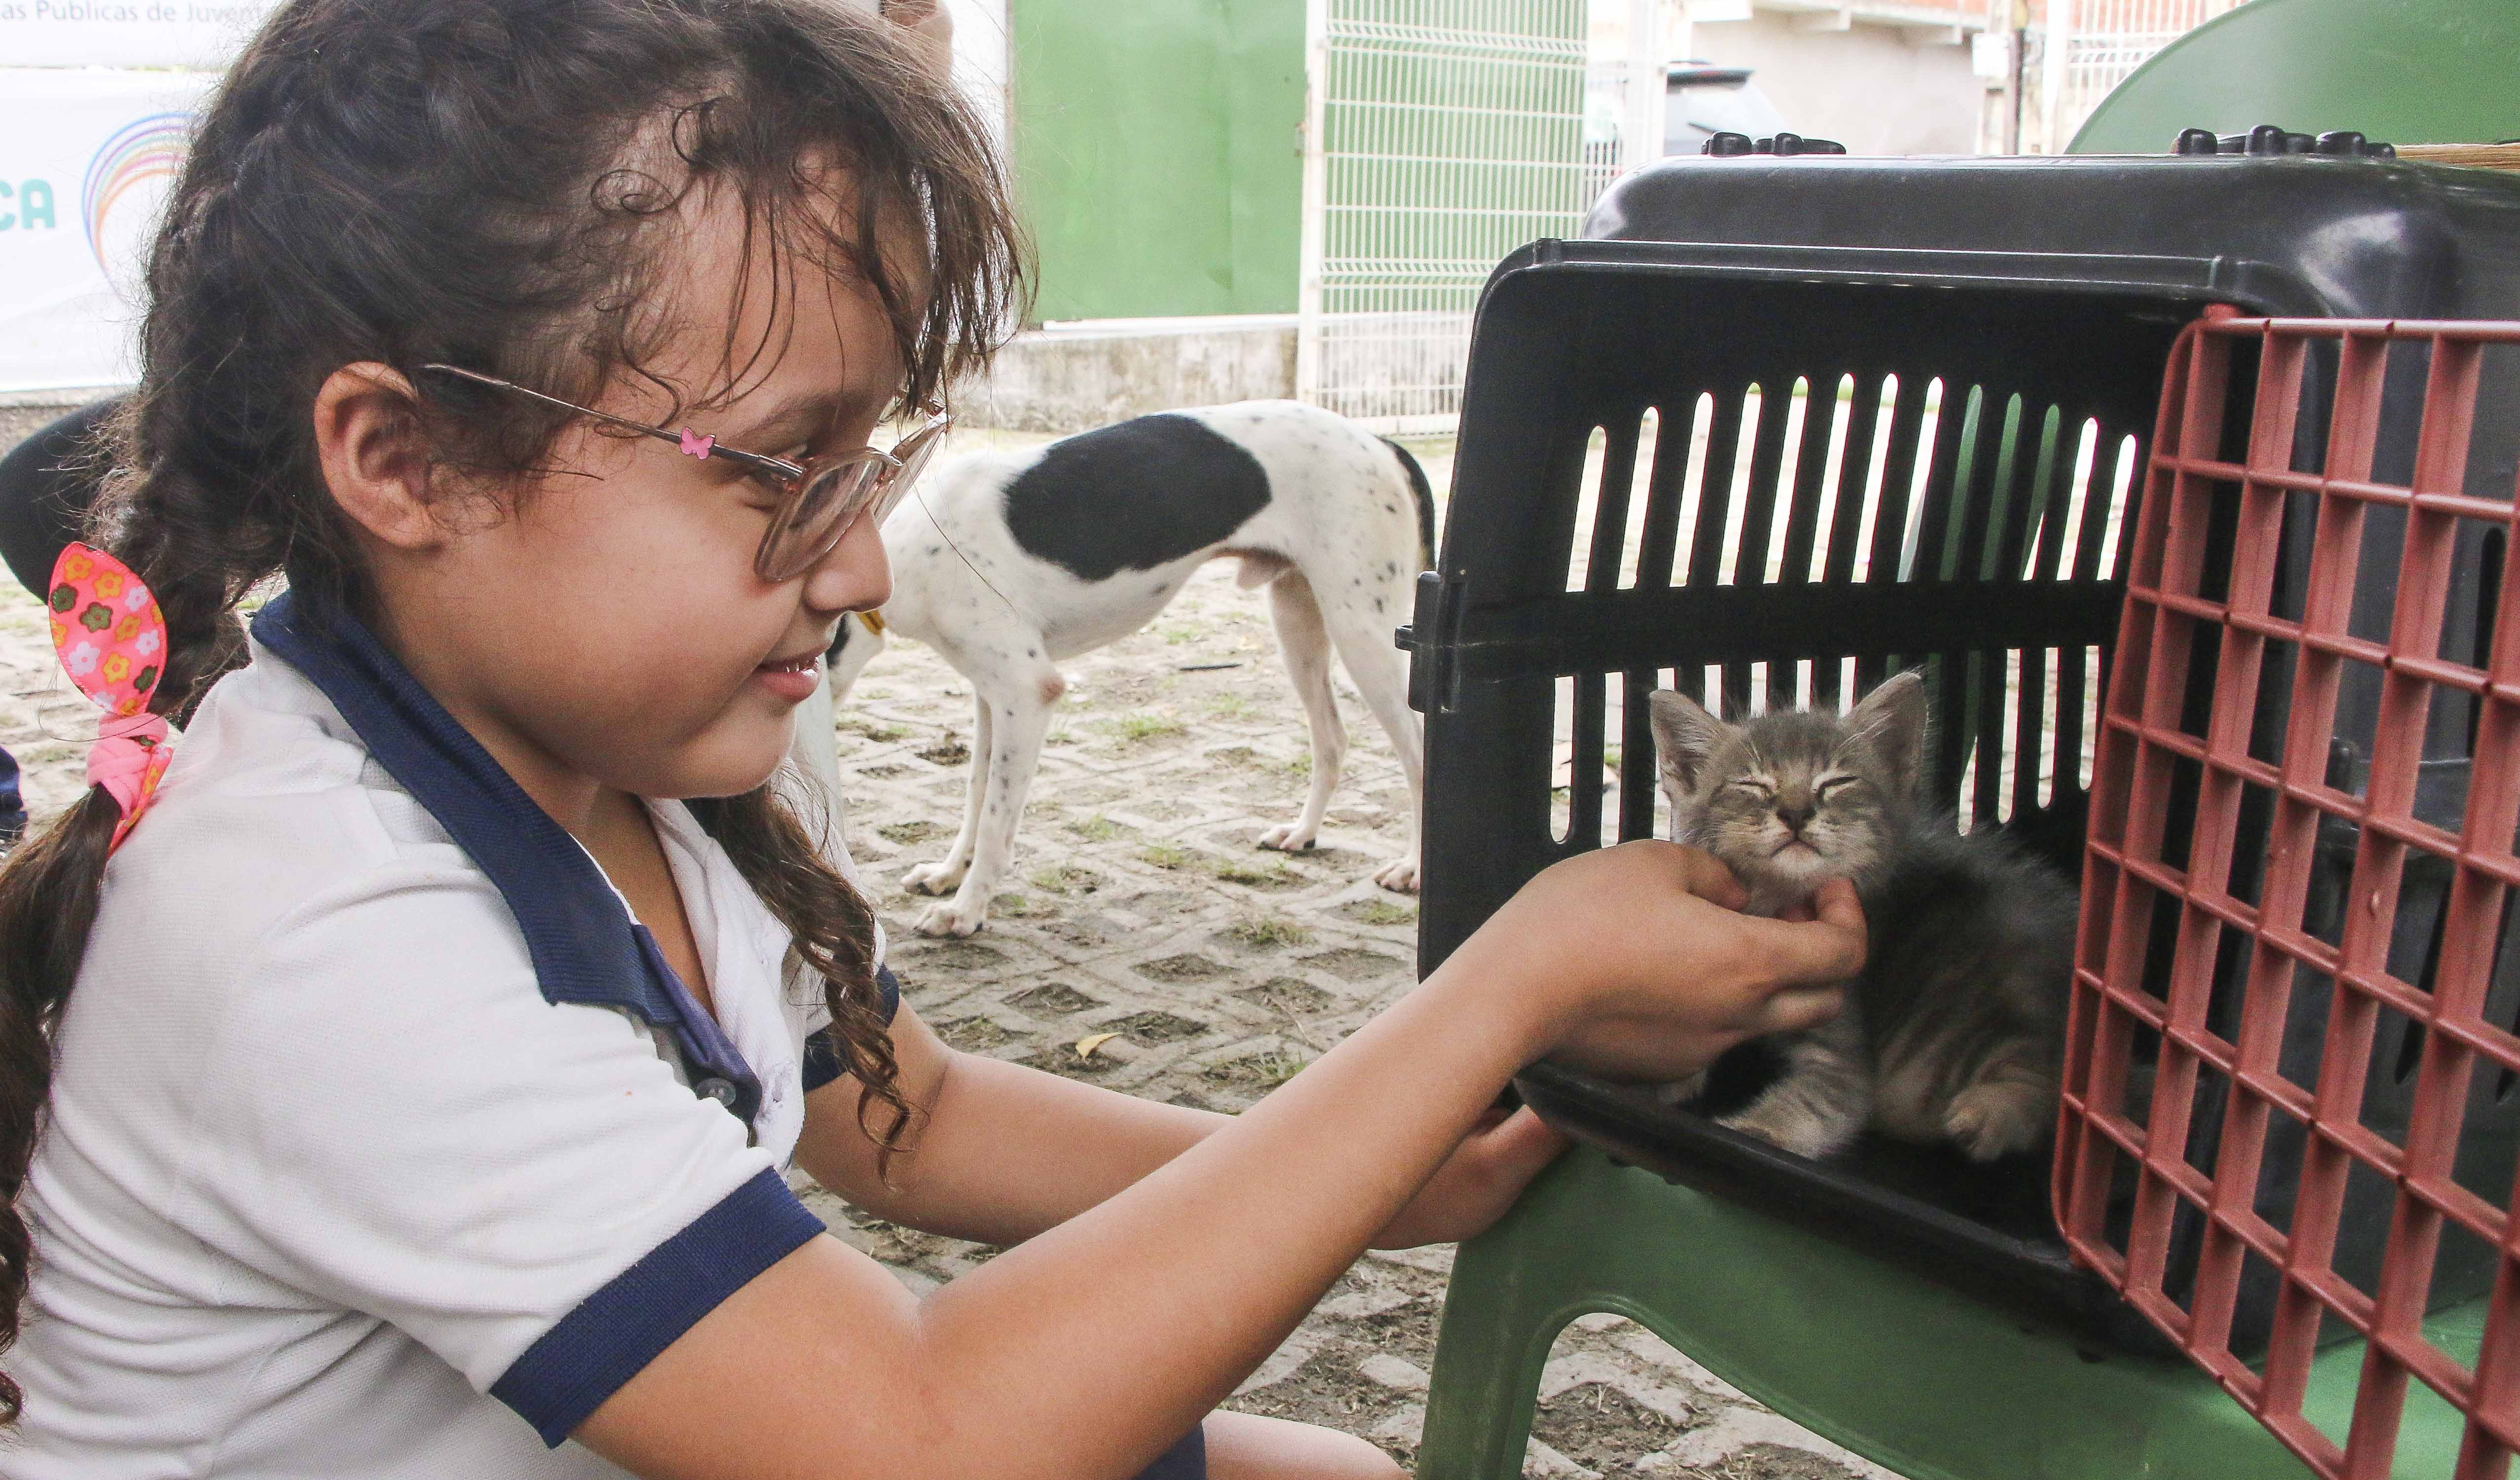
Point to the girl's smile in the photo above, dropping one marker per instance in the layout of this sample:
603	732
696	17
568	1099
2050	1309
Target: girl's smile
794	678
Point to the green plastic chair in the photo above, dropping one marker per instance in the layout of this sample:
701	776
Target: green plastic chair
1911	1375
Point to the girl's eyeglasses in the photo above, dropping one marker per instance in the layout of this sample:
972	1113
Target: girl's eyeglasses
818	502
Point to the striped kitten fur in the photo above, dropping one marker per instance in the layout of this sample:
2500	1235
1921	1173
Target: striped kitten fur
1956	1030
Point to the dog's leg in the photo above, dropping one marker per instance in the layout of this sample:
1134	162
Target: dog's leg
1014	734
1381	676
943	875
1306	643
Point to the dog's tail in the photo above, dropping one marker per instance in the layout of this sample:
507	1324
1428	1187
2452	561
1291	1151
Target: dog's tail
1425	498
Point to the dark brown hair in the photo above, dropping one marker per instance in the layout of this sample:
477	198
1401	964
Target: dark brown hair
492	183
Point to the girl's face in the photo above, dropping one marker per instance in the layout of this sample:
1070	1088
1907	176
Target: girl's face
610	627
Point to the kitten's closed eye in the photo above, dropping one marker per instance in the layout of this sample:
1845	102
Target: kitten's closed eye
1832	784
1752	786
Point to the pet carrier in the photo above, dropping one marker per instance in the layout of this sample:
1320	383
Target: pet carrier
1702	450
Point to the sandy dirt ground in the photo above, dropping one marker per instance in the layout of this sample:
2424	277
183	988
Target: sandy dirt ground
1139	913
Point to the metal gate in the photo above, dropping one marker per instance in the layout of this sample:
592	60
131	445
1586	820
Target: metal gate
1439	136
2094	45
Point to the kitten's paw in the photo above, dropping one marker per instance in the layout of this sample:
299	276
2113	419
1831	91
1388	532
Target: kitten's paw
952	917
1681	1091
1987	1121
1400	876
1288	838
941	878
1794	1128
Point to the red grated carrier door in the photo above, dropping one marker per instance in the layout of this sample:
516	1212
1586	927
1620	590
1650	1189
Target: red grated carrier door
2293	1085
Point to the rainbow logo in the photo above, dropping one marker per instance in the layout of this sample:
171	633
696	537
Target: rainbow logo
144	149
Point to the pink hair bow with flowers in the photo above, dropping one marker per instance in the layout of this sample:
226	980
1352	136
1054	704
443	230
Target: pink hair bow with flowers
112	638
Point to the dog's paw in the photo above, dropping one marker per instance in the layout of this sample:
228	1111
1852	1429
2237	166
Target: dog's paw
1288	838
950	918
935	878
1400	876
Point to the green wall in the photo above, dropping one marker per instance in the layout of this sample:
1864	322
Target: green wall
1157	148
2411	72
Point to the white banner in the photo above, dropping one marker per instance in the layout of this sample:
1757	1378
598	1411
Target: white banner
87	159
198	33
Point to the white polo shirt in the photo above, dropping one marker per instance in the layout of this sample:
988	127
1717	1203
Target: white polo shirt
331	1186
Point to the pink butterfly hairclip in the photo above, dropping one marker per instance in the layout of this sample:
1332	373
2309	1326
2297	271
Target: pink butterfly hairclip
112	638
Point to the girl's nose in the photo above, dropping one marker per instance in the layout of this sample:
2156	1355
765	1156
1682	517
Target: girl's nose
855	575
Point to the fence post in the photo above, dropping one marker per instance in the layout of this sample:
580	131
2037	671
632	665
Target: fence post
2051	75
1314	233
1641	131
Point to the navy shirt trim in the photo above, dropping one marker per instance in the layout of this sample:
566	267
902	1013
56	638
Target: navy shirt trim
1187	1460
565	1376
585	946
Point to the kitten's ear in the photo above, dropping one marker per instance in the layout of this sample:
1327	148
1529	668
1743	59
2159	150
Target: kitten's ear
1685	735
1892	719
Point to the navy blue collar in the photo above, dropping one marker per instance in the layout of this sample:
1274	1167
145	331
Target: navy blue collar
585	946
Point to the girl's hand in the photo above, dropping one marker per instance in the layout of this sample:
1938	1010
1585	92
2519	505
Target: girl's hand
1645	971
1483	1177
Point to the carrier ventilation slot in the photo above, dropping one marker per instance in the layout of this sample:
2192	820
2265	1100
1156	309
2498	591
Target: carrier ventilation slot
1838	480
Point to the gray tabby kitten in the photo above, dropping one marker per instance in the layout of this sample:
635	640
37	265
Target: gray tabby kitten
1956	1030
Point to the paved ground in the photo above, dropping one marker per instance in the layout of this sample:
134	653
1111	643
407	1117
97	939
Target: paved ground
1139	909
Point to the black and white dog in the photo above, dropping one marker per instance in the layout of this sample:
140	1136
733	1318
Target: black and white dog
1008	564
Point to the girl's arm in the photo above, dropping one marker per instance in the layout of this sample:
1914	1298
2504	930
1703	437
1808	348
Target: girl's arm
1003	1151
1087	1350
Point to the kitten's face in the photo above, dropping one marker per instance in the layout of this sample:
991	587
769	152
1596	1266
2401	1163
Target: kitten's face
1788	801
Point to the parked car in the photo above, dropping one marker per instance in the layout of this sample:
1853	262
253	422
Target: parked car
1701	99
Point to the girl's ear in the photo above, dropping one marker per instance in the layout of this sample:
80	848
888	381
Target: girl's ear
375	460
1891	719
1685	737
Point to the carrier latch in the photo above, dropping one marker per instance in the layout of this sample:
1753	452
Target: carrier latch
1433	640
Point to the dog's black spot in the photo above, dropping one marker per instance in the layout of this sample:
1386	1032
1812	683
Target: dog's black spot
1134	497
839	640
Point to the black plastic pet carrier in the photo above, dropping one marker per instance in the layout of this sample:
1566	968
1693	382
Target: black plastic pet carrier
1783	426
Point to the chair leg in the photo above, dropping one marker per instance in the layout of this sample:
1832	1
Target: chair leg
1513	1290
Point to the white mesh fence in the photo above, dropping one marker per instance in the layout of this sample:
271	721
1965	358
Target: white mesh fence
2091	46
1441	135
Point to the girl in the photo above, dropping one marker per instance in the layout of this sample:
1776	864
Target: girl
414	1082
